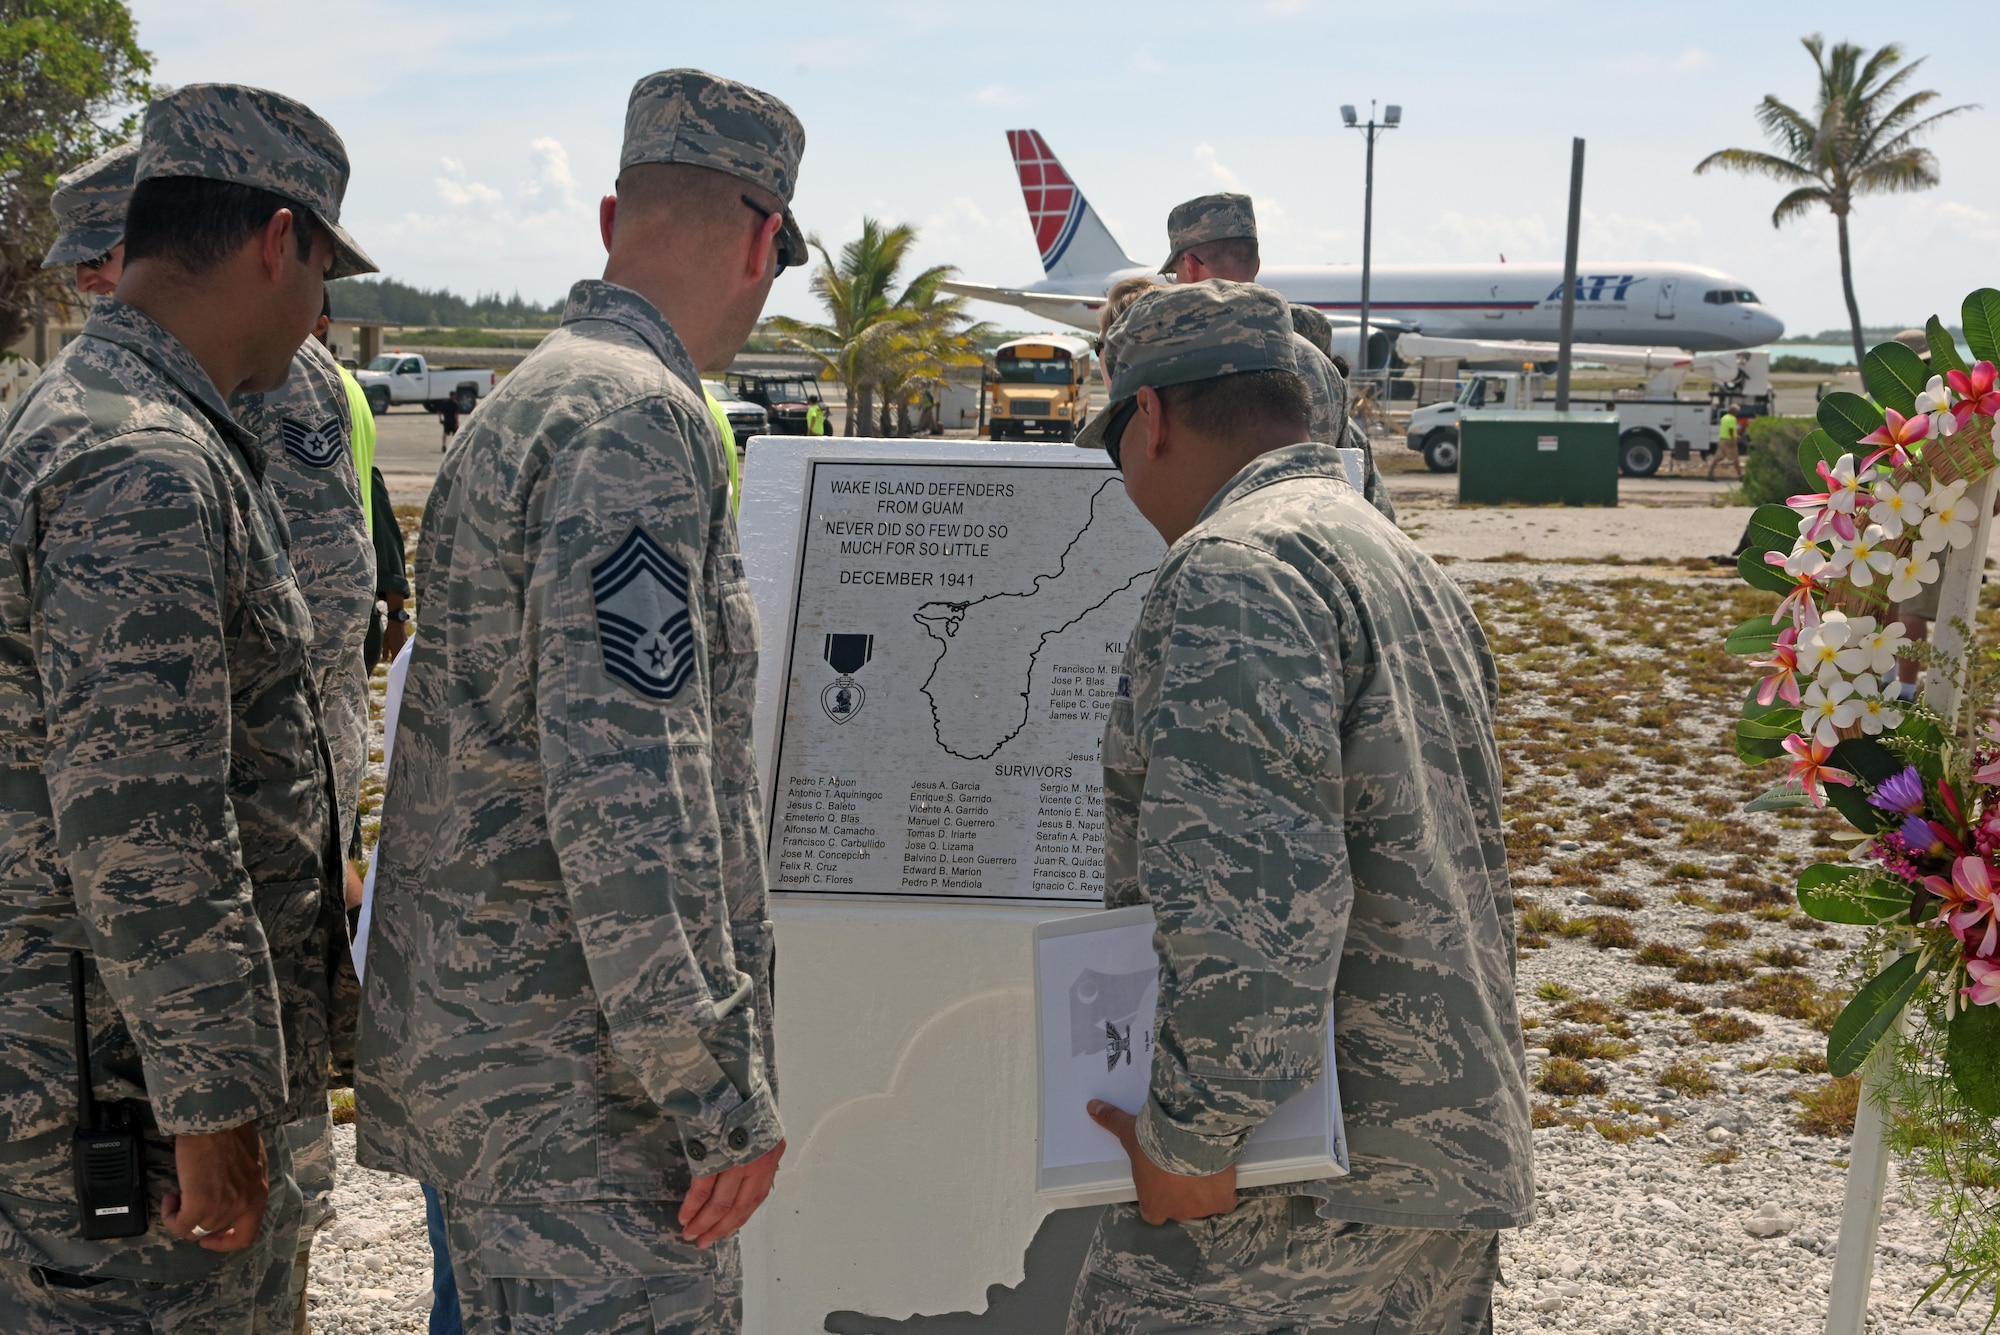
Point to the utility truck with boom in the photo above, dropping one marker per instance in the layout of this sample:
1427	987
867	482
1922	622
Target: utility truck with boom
1652	422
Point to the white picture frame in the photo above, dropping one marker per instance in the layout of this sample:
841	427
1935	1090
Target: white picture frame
1100	969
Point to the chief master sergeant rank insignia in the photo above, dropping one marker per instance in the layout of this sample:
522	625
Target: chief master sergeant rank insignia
643	626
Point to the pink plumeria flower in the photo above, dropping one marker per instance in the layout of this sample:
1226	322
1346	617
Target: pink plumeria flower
1836	505
1809	768
1896	435
1978	392
1985	989
1973	880
1783	683
1988	773
1897	508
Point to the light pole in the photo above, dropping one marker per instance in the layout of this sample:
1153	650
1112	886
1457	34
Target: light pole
1392	116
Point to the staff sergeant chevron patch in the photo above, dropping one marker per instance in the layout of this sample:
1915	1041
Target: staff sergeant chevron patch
313	446
643	628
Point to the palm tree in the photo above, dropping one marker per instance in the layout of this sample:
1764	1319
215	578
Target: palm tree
919	355
873	334
1860	140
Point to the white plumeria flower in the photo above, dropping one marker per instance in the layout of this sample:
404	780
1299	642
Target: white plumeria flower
1819	651
1948	524
1806	559
1875	713
1829	707
1865	558
1843	488
1879	647
1853	656
1935	402
1909	575
1897	508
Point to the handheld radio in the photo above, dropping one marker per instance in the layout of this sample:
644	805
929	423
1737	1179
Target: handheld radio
109	1160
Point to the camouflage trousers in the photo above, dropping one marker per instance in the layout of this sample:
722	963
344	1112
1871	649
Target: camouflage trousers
1272	1266
603	1268
244	1292
311	1141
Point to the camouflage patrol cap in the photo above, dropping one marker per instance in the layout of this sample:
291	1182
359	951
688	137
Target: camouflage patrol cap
90	204
1188	332
1210	218
696	117
1313	327
249	136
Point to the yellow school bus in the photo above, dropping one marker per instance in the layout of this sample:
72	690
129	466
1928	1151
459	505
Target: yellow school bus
1044	387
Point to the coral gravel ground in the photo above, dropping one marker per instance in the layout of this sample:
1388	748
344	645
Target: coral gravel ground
1690	1149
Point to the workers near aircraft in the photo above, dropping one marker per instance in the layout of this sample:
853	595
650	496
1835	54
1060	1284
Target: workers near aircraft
303	429
1301	778
1215	236
815	418
572	865
171	816
1729	443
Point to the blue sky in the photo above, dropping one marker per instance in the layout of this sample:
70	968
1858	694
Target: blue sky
483	133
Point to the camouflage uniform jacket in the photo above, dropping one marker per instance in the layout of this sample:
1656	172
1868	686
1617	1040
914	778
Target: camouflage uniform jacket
569	971
304	428
165	801
1330	423
1300	776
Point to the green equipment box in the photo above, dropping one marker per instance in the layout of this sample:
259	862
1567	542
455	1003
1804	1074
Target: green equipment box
1525	457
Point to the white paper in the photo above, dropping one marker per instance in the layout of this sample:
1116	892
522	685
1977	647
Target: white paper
1097	988
392	709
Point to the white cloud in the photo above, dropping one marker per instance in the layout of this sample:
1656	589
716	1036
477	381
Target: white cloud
1690	61
1205	155
1143	62
463	194
996	95
553	180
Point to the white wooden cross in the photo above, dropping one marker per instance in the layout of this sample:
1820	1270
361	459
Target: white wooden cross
1868	1160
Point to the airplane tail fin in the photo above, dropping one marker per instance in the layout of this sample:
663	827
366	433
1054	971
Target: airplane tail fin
1073	240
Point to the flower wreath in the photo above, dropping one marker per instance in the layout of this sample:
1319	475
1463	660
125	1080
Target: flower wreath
1920	788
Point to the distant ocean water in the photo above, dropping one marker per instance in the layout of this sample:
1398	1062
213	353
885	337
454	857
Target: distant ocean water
1833	354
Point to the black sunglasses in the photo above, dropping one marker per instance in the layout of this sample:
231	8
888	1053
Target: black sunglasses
1114	430
785	259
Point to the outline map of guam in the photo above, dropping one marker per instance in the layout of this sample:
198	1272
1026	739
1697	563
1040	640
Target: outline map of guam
988	647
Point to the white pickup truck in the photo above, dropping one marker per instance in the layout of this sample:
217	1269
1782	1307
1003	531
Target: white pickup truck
405	377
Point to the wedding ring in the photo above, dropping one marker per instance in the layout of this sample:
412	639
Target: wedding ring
200	1232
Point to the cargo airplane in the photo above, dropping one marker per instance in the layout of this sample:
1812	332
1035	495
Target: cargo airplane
1644	304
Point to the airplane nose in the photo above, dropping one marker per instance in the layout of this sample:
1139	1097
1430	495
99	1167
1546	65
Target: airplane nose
1765	327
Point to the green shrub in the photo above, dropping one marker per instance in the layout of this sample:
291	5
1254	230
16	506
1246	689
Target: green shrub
1771	468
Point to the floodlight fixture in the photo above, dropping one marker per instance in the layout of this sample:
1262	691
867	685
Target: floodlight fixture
1392	116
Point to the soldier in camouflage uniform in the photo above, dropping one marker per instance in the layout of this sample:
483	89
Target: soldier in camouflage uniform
1215	236
1300	777
169	803
566	1024
303	429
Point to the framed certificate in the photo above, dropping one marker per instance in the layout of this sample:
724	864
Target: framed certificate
1096	987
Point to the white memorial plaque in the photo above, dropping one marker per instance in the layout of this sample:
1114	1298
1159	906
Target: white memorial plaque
1097	986
954	643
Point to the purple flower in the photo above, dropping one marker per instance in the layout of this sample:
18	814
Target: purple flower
1900	792
1920	836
